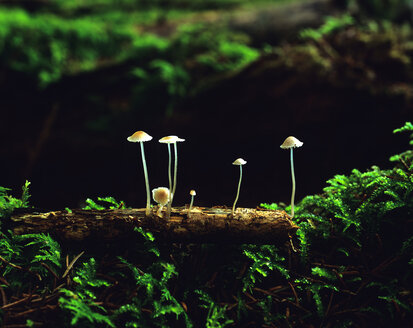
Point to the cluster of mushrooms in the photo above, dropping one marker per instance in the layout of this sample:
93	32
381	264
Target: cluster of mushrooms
164	196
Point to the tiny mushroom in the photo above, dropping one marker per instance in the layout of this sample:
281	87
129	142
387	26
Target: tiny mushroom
161	196
171	140
240	162
193	194
141	137
290	143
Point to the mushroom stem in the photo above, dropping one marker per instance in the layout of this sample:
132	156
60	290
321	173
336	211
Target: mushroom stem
169	167
293	180
168	210
145	171
239	186
168	140
175	170
159	212
192	203
192	193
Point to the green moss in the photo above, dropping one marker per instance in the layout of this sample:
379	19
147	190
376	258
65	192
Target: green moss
351	258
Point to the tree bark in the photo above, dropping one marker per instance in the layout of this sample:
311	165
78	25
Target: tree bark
202	225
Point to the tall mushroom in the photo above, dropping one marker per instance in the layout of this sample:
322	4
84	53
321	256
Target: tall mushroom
290	143
240	162
141	137
172	187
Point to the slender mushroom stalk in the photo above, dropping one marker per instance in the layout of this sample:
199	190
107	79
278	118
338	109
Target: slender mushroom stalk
291	143
141	137
240	162
161	196
175	168
172	187
192	193
169	166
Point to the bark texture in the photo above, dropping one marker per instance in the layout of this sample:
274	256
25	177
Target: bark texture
206	225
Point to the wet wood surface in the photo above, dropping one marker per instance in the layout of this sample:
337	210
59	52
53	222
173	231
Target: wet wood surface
201	225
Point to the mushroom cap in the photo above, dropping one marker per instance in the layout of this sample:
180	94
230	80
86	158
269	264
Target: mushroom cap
239	161
170	139
161	195
291	142
139	136
192	192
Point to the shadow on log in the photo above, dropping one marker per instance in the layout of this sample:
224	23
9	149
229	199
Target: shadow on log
202	225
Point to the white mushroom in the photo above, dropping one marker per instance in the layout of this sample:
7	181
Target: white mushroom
172	140
161	196
240	162
141	137
290	143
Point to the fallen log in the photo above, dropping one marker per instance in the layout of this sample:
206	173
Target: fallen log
202	225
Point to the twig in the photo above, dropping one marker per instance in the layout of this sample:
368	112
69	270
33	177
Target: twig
4	281
46	299
21	268
299	306
405	164
69	267
295	293
329	304
24	313
250	297
3	296
11	264
266	292
35	324
7	306
50	270
384	264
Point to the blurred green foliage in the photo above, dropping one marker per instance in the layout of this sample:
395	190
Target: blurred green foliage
45	47
384	9
73	6
70	38
331	25
374	57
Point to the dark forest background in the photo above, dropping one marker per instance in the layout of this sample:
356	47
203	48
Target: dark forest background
232	77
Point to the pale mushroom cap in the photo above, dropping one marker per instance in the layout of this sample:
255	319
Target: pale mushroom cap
170	139
291	142
139	136
192	192
239	161
161	195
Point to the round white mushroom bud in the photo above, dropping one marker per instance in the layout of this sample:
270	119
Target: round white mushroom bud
161	196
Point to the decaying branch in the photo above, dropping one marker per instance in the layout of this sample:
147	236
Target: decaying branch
208	225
